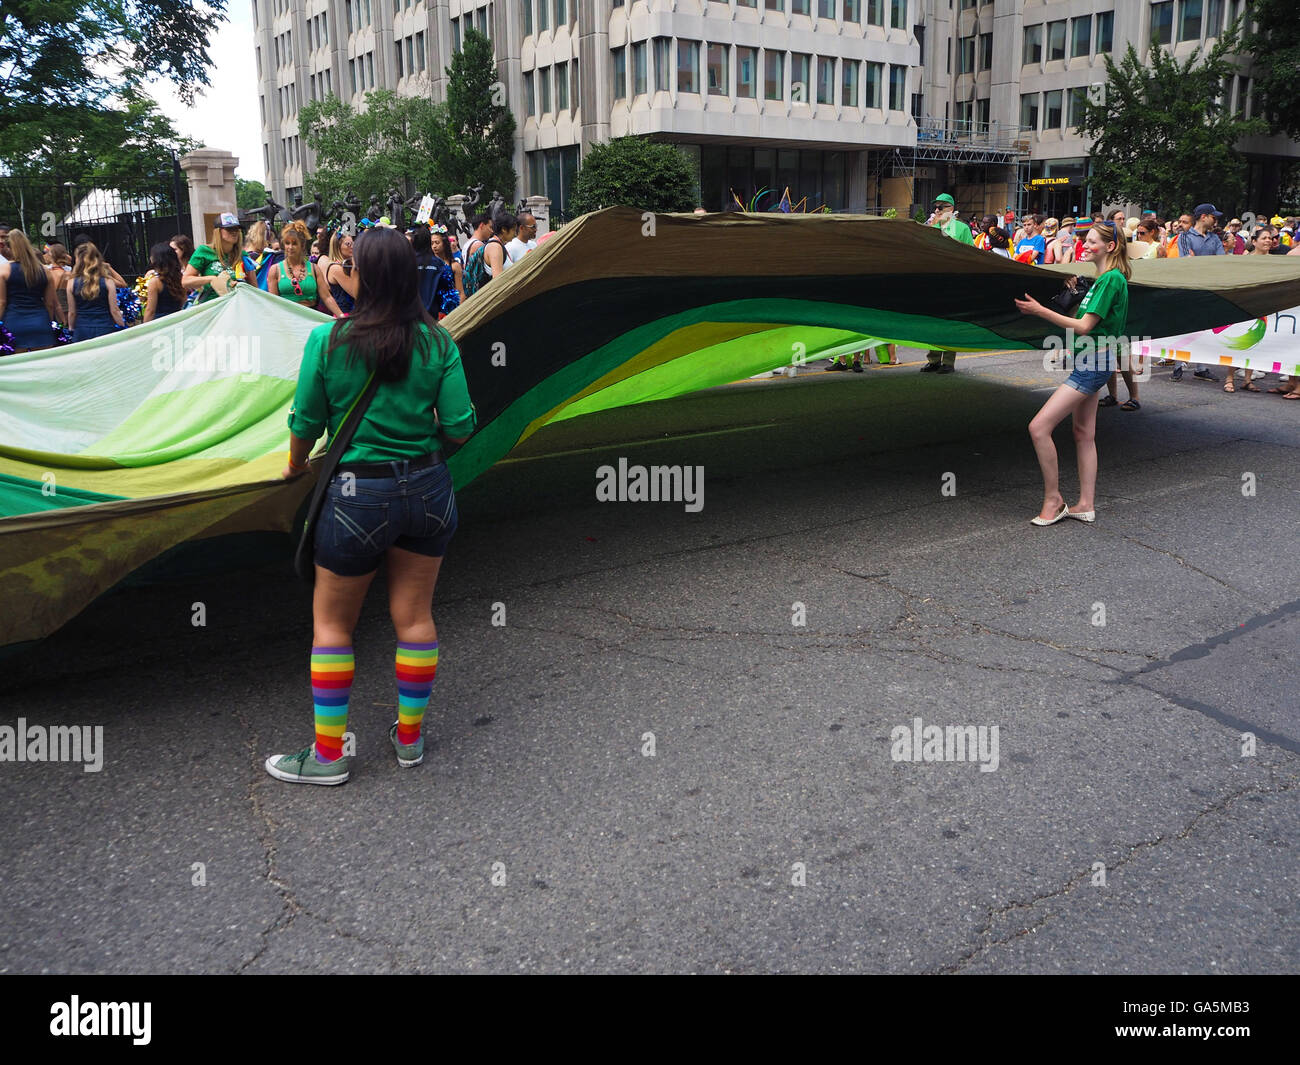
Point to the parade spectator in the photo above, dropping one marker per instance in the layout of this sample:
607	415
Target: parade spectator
999	242
92	300
1148	234
4	244
1102	319
1062	248
480	233
184	249
525	240
402	509
258	254
339	273
1116	218
220	263
60	267
296	278
442	248
1032	247
495	260
936	361
164	292
1238	241
437	282
1198	239
27	294
1176	230
982	241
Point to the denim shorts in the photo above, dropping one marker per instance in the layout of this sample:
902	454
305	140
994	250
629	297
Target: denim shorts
413	509
1088	381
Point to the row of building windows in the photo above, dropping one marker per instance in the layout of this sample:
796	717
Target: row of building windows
415	56
537	88
320	85
1063	108
860	84
1196	19
283	49
318	30
563	11
287	96
358	12
399	4
289	145
1080	38
971	48
483	16
361	72
852	10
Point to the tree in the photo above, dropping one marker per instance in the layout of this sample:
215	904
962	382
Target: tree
393	143
249	194
1164	134
1275	46
480	130
131	140
634	172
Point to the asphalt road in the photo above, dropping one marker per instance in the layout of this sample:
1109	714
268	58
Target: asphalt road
1119	744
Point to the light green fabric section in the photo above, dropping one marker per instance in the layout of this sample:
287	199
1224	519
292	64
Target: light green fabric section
722	363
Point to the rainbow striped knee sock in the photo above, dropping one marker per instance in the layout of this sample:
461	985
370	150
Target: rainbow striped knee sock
417	665
332	669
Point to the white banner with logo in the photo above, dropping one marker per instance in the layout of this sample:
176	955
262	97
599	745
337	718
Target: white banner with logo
1266	345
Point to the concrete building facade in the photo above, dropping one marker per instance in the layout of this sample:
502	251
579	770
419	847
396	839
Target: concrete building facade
856	104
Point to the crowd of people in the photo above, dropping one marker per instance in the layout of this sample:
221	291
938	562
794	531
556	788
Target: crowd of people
50	296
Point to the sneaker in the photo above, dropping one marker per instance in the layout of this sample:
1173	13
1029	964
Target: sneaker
303	768
1205	375
1177	375
930	367
945	368
408	754
857	367
836	367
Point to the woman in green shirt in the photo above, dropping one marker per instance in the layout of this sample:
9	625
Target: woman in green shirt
391	500
215	268
1099	331
297	278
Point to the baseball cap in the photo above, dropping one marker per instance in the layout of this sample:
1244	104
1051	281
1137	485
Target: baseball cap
1235	222
1206	208
228	221
943	197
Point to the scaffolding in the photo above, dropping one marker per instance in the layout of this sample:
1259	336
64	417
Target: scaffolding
948	142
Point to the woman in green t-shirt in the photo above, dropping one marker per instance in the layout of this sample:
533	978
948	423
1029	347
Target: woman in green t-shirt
215	268
391	500
297	278
1099	331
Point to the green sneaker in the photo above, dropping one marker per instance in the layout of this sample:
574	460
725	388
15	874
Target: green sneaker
408	754
302	768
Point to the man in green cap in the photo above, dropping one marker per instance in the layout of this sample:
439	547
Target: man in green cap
945	219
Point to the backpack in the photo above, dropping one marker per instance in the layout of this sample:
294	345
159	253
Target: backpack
475	275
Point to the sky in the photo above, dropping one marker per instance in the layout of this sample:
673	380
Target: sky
226	116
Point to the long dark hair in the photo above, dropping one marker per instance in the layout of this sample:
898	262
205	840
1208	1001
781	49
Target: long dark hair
384	328
422	245
164	262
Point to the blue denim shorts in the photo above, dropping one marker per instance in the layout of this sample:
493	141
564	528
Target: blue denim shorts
1088	381
363	517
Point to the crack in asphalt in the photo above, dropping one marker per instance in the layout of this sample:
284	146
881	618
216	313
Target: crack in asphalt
1134	851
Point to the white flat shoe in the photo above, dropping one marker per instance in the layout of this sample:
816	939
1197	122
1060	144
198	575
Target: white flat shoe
1065	510
1083	515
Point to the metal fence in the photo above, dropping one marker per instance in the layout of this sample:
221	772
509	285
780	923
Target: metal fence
122	216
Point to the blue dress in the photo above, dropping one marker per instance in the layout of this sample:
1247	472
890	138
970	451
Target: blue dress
26	316
94	319
341	295
166	304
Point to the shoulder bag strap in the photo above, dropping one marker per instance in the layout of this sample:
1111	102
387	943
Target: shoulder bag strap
303	557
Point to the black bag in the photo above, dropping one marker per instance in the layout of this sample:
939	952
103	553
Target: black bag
304	559
1067	299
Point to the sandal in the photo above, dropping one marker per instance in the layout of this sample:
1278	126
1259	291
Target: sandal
1228	387
1292	395
1132	404
1280	390
1107	401
1248	387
